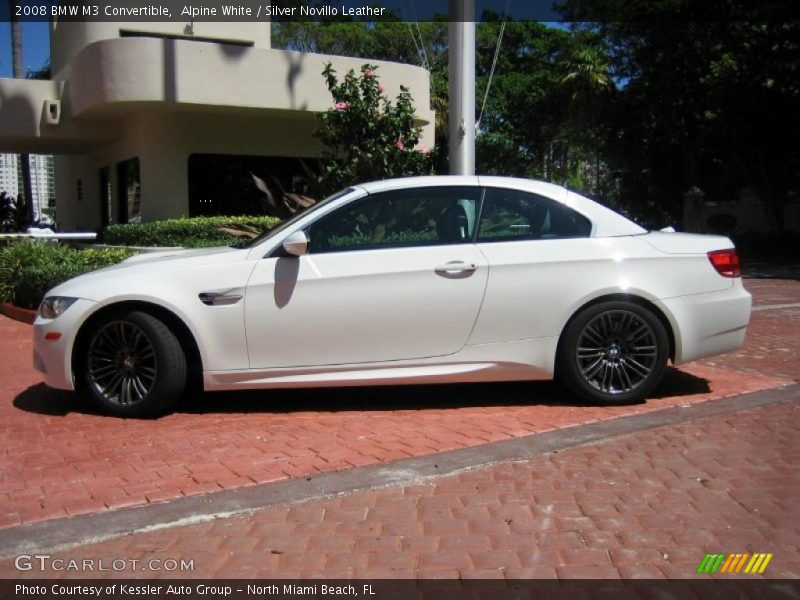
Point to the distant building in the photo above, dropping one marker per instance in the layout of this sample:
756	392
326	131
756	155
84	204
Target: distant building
156	120
43	190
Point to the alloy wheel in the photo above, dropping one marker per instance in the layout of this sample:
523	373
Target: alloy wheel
122	363
617	351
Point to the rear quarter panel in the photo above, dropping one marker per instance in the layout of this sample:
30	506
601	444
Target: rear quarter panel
535	286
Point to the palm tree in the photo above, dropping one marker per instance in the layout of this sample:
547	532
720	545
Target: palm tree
586	82
19	73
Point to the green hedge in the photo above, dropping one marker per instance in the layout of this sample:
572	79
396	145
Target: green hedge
29	268
191	233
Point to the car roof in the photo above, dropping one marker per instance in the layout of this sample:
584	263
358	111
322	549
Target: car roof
548	189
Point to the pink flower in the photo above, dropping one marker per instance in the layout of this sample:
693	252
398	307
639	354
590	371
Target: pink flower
423	150
380	89
368	74
342	105
400	145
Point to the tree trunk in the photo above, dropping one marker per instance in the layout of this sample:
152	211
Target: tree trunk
19	73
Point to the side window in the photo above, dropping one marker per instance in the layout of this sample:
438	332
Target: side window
514	215
417	217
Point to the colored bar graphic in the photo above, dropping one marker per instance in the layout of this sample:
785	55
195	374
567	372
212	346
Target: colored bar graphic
733	563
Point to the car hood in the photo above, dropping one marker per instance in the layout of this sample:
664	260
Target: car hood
173	254
141	268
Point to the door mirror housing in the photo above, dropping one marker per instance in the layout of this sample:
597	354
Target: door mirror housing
296	244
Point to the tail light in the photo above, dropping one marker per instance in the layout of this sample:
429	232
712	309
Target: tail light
726	262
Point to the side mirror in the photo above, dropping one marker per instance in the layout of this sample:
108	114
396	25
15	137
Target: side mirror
296	244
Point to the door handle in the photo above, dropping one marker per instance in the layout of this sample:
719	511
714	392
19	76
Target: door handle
456	267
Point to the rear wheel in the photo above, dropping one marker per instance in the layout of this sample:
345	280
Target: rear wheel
134	365
613	353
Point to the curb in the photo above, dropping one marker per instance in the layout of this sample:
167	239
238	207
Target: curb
24	315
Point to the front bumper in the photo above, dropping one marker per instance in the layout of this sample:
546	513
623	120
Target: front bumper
53	357
709	324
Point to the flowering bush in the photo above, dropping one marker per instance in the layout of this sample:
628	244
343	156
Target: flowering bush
367	136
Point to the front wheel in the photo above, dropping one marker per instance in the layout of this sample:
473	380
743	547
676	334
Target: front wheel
613	353
134	365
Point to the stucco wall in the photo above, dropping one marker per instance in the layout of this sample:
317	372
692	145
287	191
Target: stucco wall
67	39
181	72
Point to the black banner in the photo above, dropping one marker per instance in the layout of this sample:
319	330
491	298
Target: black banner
389	589
393	10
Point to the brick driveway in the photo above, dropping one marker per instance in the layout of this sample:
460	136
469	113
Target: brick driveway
61	460
647	505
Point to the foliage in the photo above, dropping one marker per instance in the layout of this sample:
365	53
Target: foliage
711	104
636	104
43	72
535	122
29	268
366	136
191	232
410	42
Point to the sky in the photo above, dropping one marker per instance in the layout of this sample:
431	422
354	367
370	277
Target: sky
35	47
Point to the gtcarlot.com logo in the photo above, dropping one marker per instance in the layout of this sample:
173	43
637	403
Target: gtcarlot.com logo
753	564
45	562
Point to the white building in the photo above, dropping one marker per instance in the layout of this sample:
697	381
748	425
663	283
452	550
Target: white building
43	191
144	117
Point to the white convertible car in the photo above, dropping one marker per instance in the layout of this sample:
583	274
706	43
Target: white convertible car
418	280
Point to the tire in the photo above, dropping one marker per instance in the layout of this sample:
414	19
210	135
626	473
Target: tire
134	366
613	353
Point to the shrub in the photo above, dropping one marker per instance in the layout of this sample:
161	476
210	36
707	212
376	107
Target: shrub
28	268
192	232
366	136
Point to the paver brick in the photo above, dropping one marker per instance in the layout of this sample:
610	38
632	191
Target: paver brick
495	559
445	559
468	543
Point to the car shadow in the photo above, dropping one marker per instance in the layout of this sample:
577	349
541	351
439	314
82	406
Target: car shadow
43	400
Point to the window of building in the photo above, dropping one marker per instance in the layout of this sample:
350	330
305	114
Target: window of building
222	184
105	195
516	215
130	191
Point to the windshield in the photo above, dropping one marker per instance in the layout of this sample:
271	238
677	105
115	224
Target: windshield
283	225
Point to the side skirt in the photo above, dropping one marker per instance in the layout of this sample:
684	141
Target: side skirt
520	360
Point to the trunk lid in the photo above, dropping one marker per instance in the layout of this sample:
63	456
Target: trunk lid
686	243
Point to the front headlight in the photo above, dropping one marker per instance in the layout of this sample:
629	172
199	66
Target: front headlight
54	306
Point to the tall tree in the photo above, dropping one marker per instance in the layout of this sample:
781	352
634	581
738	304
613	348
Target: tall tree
19	73
525	128
587	84
707	103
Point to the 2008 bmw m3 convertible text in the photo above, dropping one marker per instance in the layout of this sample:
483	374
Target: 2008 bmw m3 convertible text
417	280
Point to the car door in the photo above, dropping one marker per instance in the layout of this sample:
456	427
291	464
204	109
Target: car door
541	260
388	277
